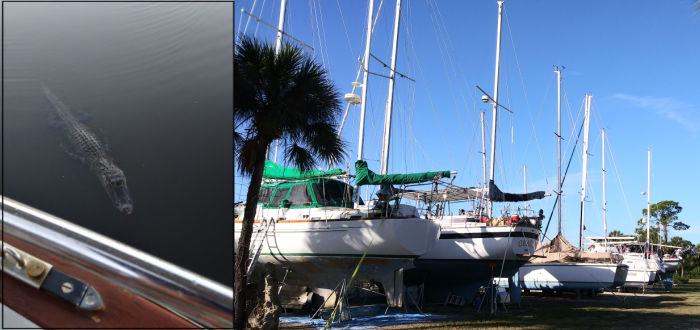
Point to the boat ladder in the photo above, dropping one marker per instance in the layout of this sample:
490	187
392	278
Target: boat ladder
256	245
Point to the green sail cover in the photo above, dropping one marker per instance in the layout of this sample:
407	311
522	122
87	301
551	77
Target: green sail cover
363	176
279	172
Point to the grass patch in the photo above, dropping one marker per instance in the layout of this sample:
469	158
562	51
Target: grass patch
679	309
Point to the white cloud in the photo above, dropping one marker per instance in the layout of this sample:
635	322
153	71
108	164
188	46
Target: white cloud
669	107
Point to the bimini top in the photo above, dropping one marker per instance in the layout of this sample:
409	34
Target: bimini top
455	193
448	194
278	172
364	176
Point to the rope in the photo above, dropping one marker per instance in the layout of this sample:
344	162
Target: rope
345	290
505	251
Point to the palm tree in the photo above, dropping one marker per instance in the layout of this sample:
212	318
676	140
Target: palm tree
285	97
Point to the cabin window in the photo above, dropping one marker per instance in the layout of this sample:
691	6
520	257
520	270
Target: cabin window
332	192
300	195
279	196
265	194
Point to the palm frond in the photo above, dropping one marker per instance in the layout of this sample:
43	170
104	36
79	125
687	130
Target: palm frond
286	96
299	157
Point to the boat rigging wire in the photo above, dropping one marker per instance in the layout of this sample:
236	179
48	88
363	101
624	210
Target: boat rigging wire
430	98
316	15
275	28
619	180
527	100
448	64
252	9
257	25
345	28
571	157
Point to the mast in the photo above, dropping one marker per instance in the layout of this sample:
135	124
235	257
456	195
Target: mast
648	193
483	205
483	148
525	185
390	98
495	102
278	48
586	125
365	68
605	201
280	26
365	76
558	72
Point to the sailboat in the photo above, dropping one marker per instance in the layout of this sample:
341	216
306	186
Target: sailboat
561	266
316	226
474	247
645	267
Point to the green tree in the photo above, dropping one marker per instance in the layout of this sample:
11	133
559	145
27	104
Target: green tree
641	232
616	233
677	241
285	97
665	213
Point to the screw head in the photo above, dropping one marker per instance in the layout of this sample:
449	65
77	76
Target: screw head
35	269
67	287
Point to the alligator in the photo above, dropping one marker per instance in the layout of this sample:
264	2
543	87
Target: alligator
93	153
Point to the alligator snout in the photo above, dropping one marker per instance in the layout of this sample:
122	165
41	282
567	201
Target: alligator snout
126	209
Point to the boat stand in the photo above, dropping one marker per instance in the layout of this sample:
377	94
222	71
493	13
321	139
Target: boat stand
491	294
417	300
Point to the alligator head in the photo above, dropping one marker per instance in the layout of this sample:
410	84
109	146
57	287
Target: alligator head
114	181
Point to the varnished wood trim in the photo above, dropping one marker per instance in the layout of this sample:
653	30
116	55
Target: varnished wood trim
123	308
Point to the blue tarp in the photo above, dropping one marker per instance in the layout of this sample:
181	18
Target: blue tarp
365	322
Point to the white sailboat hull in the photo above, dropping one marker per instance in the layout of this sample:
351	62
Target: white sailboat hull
466	258
321	253
484	243
572	275
382	238
642	271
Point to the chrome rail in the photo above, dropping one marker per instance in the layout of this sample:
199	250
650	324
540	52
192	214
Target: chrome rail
202	301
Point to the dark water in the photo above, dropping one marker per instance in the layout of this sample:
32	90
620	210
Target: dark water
153	80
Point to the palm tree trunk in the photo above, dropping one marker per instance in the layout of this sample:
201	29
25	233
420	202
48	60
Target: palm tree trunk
240	280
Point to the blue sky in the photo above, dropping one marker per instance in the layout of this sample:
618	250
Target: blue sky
639	59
